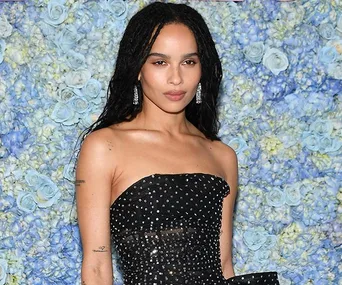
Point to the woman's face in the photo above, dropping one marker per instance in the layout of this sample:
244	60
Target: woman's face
172	71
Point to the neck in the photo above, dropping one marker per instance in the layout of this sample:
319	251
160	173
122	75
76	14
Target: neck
159	120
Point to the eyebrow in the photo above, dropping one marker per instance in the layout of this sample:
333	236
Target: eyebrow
167	56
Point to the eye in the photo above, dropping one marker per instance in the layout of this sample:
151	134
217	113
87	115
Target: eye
159	62
190	62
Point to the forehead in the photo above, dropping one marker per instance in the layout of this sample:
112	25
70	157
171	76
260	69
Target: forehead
175	37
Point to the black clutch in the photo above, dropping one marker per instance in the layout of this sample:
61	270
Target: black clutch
260	278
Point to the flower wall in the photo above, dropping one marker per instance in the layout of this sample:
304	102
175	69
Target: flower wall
280	109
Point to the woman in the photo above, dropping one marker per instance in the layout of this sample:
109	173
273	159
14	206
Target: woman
152	174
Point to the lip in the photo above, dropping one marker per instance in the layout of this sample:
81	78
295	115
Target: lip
175	95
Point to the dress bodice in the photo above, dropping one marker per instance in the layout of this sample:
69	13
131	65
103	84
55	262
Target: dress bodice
166	228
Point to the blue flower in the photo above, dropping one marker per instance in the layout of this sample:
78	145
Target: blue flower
65	93
238	144
296	212
275	60
5	70
319	137
65	114
254	52
255	238
14	141
320	12
311	141
92	90
26	202
327	31
7	242
118	8
75	60
275	198
67	38
45	192
278	87
262	256
79	104
292	196
327	54
56	12
77	78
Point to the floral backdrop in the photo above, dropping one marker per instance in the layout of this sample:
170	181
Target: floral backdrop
280	109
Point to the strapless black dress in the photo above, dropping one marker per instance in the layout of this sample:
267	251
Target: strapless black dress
166	227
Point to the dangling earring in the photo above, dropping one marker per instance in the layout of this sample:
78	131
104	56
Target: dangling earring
135	95
199	94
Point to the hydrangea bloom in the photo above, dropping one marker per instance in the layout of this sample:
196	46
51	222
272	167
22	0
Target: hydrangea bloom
280	109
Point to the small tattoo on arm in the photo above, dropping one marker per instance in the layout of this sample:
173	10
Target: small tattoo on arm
79	182
83	283
100	249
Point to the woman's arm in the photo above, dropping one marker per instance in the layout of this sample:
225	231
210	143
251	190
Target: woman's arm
93	194
231	170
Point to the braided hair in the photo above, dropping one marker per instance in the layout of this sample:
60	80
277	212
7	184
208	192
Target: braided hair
135	46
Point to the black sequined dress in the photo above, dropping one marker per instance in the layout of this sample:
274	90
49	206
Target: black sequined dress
166	228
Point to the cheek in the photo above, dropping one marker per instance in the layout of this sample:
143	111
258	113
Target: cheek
152	79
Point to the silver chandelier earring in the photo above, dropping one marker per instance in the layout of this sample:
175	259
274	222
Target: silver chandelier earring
135	95
199	94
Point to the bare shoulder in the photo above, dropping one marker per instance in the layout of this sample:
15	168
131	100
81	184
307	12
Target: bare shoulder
101	147
100	141
227	159
224	151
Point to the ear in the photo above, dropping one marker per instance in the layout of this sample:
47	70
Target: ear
139	76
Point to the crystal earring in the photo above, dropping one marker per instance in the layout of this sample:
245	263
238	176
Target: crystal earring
135	95
199	94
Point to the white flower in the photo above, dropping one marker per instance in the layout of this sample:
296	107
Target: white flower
56	13
292	195
321	127
78	104
3	271
275	198
78	78
65	93
118	8
45	191
275	60
326	31
25	202
67	38
5	28
254	52
93	91
75	60
65	114
255	238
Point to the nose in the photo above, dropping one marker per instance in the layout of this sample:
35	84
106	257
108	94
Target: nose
175	76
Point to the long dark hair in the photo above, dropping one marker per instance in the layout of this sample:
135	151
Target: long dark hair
136	43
